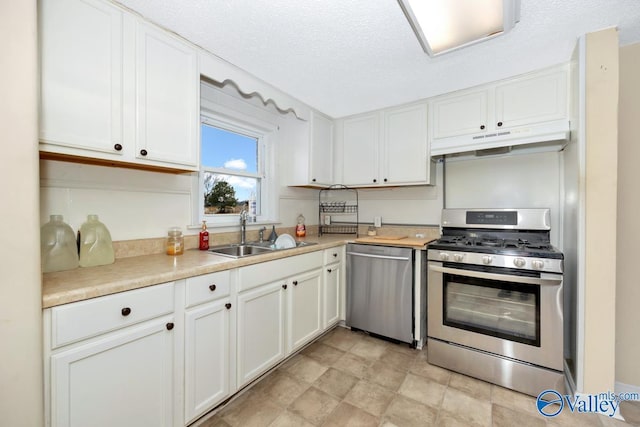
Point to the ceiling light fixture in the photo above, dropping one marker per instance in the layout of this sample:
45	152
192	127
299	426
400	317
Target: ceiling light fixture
446	25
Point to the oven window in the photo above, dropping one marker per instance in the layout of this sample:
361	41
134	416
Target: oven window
500	309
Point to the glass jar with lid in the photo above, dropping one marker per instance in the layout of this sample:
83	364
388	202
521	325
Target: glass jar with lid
175	241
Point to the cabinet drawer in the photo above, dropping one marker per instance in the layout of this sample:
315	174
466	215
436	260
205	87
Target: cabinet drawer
84	319
332	255
207	287
267	272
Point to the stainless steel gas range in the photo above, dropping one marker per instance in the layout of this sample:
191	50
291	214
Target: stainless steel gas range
495	298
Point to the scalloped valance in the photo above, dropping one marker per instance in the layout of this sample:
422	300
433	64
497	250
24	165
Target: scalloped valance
225	73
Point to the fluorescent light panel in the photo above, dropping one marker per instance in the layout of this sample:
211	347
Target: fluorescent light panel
445	25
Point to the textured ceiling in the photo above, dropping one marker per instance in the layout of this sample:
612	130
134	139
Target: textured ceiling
349	56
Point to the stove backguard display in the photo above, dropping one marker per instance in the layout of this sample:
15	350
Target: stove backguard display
492	218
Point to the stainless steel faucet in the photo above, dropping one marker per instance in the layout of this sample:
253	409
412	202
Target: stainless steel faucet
243	226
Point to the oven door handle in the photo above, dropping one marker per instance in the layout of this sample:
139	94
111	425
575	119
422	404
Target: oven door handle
493	276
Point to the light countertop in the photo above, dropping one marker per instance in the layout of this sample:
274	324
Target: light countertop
137	272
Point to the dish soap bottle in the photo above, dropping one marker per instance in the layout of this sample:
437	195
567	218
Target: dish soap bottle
58	248
273	236
301	230
204	237
96	247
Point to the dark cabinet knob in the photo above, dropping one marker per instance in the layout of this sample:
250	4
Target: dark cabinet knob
385	180
295	283
335	255
482	127
125	311
143	152
212	287
169	326
499	124
329	270
117	147
375	180
313	180
228	305
284	286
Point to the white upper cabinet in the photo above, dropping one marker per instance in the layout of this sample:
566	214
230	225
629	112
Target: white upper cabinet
388	147
321	158
116	88
360	136
459	114
405	158
522	110
81	84
167	88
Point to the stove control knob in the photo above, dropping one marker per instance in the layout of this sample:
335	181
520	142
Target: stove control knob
519	262
487	259
444	256
537	264
458	257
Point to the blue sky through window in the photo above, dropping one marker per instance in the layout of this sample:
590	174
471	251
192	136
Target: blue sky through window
229	150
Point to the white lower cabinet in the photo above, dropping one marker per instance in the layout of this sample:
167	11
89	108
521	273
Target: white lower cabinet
304	310
124	378
332	294
260	330
207	345
164	355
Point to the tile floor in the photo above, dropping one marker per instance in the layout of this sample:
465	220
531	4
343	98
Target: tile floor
350	379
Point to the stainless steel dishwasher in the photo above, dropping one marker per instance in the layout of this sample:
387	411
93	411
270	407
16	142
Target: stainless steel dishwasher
380	290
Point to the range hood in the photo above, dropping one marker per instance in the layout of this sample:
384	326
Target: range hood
557	131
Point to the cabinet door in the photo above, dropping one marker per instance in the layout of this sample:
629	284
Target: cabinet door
360	150
331	297
81	76
406	145
305	315
167	85
530	100
206	357
459	114
321	160
260	330
122	379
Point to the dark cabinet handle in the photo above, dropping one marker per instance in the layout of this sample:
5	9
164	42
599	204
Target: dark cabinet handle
228	305
329	270
212	287
482	127
385	180
125	311
295	283
499	124
375	180
335	255
143	152
313	180
284	286
169	326
117	147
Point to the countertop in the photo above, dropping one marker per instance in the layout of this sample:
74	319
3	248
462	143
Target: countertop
137	272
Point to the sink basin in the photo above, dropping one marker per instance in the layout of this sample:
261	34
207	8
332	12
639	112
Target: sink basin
239	251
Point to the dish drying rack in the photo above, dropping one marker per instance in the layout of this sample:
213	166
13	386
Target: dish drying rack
338	210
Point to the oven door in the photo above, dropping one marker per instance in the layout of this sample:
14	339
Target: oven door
518	317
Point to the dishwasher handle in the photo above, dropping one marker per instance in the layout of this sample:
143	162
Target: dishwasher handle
396	258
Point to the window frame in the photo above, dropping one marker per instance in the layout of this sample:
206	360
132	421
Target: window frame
264	191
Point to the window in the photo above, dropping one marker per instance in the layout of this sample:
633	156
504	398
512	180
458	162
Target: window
232	171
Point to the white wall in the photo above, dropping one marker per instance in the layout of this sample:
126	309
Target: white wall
21	383
529	180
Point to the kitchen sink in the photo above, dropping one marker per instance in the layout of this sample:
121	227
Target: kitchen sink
250	249
240	251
